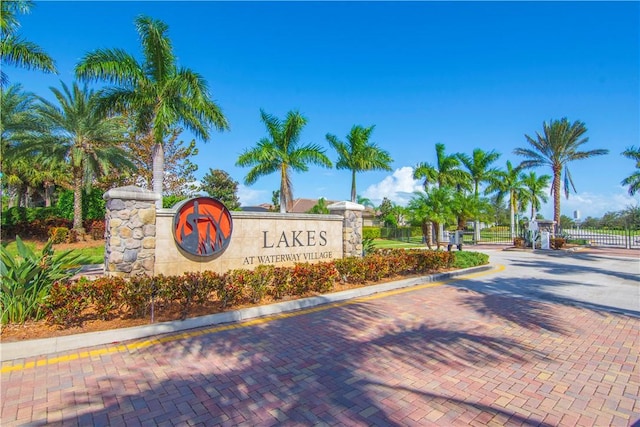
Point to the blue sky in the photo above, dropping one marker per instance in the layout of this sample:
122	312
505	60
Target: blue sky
466	74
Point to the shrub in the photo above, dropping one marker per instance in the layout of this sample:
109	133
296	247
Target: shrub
95	228
351	269
17	214
67	301
138	293
370	232
320	277
106	295
27	279
429	261
557	242
469	259
231	291
58	234
281	285
259	282
93	204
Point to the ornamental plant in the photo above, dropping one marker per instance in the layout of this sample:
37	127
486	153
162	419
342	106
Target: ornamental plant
27	279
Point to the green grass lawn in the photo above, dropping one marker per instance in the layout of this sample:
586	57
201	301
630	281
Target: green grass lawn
385	244
93	254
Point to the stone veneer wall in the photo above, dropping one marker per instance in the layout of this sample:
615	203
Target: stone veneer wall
139	237
351	227
130	231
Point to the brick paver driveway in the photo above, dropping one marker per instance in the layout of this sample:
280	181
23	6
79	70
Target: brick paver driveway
442	355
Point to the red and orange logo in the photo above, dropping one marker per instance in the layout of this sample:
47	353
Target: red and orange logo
203	227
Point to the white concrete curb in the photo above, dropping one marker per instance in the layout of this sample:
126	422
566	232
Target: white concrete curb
31	348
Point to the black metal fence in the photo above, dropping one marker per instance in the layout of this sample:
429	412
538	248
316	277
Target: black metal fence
625	238
622	238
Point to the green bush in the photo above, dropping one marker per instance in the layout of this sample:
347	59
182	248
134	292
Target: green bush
67	301
231	291
58	234
17	215
464	259
370	232
169	201
28	277
259	282
93	205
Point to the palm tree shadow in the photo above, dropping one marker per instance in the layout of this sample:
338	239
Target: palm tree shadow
564	268
532	289
526	313
302	370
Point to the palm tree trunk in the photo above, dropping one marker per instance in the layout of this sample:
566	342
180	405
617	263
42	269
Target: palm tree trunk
158	172
353	187
557	174
48	192
283	189
437	239
512	213
77	201
427	232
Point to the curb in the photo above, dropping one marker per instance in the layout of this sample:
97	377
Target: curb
41	347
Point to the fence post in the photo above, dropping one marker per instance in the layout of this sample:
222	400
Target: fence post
627	234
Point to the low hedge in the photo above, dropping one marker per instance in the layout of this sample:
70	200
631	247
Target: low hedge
73	302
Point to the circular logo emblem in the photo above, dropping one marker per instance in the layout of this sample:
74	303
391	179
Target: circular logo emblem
203	226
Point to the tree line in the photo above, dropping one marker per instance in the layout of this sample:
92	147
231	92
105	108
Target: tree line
127	133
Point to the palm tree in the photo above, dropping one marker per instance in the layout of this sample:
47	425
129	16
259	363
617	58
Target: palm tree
509	182
156	91
14	50
281	152
533	193
364	202
480	171
558	145
633	180
359	155
445	173
81	136
16	122
431	207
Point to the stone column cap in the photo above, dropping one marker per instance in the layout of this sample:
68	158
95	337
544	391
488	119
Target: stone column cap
131	192
345	206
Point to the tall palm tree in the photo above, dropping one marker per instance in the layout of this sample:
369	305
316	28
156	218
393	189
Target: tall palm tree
445	172
15	50
80	135
509	183
281	152
558	145
359	155
156	91
534	190
633	180
480	171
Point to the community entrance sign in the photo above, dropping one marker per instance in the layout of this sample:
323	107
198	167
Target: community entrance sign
202	227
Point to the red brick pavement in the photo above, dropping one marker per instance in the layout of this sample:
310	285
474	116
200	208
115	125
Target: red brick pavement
436	356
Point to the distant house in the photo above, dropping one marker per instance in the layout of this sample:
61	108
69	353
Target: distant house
369	215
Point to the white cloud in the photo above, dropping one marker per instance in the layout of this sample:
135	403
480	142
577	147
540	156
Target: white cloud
249	197
398	188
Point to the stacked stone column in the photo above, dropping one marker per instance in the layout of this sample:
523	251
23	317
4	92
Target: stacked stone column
351	226
130	240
